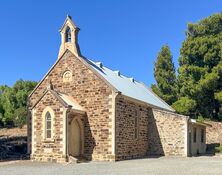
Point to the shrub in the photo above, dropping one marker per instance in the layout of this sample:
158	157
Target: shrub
218	149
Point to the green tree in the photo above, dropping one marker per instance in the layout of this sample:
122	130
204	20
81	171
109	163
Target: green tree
20	116
164	73
200	71
8	102
185	106
21	90
13	102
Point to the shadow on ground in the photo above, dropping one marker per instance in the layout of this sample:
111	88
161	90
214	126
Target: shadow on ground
13	148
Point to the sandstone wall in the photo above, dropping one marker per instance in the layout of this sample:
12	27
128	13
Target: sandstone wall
160	132
127	146
93	94
167	133
48	150
214	133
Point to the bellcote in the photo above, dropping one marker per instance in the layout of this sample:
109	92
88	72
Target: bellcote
69	37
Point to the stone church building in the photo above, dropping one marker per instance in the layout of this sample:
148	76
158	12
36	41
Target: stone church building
82	109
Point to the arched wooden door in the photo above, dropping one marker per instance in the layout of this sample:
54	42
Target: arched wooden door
75	139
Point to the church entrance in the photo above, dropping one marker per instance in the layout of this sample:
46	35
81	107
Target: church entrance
75	137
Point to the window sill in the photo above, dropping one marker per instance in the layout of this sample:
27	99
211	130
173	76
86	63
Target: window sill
48	141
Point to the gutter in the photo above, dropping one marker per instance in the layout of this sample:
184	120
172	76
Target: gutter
145	103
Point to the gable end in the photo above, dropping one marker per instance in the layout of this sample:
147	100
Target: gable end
83	60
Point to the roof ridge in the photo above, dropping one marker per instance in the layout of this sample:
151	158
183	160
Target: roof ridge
126	76
132	88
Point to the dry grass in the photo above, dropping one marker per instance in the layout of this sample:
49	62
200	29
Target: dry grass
13	132
13	144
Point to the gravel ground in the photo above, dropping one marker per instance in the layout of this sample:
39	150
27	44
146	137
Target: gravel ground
155	166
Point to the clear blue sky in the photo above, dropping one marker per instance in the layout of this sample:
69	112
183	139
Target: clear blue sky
123	34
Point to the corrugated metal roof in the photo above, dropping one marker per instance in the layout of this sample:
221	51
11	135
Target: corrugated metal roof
129	86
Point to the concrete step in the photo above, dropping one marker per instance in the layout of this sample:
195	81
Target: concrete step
75	160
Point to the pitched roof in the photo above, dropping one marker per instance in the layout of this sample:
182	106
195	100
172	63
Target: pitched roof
70	101
129	86
65	100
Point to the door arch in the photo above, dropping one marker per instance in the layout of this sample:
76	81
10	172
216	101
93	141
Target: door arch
75	138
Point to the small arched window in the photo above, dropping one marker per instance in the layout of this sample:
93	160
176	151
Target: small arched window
68	35
48	125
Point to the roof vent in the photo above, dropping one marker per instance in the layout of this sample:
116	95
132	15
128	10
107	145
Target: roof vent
117	72
132	79
99	64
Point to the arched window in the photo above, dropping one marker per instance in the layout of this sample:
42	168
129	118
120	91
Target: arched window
68	35
48	125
